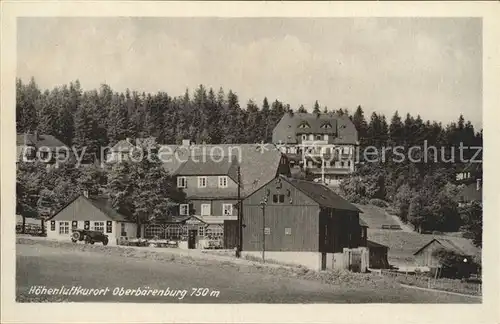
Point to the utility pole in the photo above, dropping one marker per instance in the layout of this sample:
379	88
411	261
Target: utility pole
263	204
240	216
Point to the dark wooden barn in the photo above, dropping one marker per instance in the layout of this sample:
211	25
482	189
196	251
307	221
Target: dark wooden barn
296	215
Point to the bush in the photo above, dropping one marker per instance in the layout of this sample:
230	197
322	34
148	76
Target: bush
379	202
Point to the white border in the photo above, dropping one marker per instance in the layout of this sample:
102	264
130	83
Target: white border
360	313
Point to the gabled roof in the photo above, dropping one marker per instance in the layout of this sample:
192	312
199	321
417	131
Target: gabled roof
324	196
342	129
103	204
259	163
38	140
198	166
456	244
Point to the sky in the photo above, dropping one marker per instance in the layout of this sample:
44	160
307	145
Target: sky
426	66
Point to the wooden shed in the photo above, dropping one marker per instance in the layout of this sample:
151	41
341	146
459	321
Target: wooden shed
291	215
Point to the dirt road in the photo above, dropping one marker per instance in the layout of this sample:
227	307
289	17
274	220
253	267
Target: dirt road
51	267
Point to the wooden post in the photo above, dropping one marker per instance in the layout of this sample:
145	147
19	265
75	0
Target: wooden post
239	247
264	233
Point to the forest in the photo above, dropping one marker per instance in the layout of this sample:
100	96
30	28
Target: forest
424	194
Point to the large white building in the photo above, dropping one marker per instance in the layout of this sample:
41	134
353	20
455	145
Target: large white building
322	144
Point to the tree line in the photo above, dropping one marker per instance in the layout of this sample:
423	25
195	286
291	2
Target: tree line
422	193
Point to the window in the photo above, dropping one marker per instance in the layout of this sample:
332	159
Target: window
175	232
181	182
223	182
109	227
99	226
183	209
349	163
52	225
86	225
214	232
202	182
201	230
342	163
288	231
205	209
154	231
74	224
318	137
63	227
123	229
304	137
227	209
278	199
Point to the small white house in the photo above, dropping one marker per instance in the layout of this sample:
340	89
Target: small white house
94	214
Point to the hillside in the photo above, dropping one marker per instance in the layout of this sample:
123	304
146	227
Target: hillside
376	217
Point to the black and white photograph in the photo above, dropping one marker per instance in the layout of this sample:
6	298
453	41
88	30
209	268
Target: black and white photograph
247	160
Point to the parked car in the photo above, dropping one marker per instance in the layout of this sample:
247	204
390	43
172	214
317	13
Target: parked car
89	237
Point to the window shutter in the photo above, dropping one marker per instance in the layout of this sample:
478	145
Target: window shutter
86	225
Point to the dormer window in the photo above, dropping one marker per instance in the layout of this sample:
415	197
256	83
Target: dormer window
326	126
304	124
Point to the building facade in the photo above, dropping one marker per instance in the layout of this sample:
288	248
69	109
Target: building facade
324	145
89	213
208	174
297	219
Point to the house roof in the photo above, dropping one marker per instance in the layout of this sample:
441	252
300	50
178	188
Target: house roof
103	204
321	194
362	222
259	163
196	165
38	140
456	244
290	125
372	244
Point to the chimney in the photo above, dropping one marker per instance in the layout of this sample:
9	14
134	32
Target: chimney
186	142
478	184
86	193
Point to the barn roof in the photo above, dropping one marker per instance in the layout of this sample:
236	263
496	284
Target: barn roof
324	196
290	125
373	244
455	244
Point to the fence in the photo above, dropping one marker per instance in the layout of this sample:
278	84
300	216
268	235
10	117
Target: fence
424	280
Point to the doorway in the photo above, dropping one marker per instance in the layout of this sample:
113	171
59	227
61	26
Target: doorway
192	239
